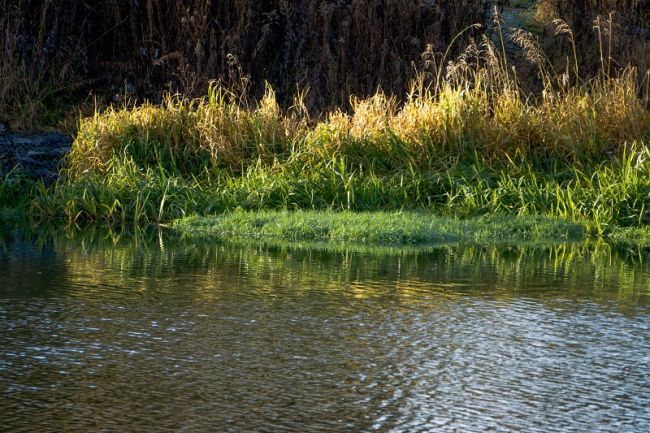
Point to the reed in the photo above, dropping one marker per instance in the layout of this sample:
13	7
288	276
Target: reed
124	49
620	27
479	108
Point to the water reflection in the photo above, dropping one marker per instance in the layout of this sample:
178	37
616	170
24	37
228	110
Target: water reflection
149	332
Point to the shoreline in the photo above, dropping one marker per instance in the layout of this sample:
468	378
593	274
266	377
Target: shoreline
407	231
398	229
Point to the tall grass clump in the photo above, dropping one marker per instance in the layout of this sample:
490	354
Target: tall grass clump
188	135
480	108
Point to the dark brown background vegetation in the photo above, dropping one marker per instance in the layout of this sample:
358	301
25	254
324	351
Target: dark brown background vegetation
55	52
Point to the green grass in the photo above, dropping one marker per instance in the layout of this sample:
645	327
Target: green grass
383	228
631	238
600	196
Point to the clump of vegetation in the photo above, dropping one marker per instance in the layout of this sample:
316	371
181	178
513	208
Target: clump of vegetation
477	109
614	193
187	136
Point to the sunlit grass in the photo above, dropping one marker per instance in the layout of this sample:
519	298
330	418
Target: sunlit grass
593	122
378	227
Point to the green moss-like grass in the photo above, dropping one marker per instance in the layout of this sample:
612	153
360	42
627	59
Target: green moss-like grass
380	228
631	238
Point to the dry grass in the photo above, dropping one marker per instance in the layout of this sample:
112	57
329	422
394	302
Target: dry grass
123	50
620	29
41	60
122	47
185	134
477	109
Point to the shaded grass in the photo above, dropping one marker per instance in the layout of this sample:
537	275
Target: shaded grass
379	228
336	48
634	239
140	48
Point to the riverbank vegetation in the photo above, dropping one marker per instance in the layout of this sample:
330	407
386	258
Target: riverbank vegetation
471	137
474	144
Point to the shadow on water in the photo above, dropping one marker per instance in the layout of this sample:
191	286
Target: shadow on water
149	331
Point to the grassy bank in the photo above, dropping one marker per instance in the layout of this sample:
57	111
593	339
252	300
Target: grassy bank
468	142
383	228
603	195
580	155
460	151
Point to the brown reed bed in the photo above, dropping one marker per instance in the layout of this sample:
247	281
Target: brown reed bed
58	56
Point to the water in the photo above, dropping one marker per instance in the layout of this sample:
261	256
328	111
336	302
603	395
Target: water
148	333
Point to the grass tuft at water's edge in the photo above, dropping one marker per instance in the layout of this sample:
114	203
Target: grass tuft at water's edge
382	228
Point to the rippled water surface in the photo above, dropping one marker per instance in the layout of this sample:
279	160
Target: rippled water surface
147	333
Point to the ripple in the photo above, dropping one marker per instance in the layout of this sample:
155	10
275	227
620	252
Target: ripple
217	338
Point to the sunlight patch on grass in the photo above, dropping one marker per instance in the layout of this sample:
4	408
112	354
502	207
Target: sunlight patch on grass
382	228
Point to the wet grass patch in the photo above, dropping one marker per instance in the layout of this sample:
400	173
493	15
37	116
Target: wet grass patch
634	239
382	228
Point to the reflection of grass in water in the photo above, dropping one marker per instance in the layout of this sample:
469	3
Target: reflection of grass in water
104	264
10	214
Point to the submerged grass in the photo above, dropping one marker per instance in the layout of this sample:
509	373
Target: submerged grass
635	239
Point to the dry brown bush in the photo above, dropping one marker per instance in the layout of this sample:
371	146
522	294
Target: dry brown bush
620	28
57	51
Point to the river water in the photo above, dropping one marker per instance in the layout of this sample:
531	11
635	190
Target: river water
150	333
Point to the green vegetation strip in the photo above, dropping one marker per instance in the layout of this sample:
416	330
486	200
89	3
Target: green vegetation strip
383	228
630	238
